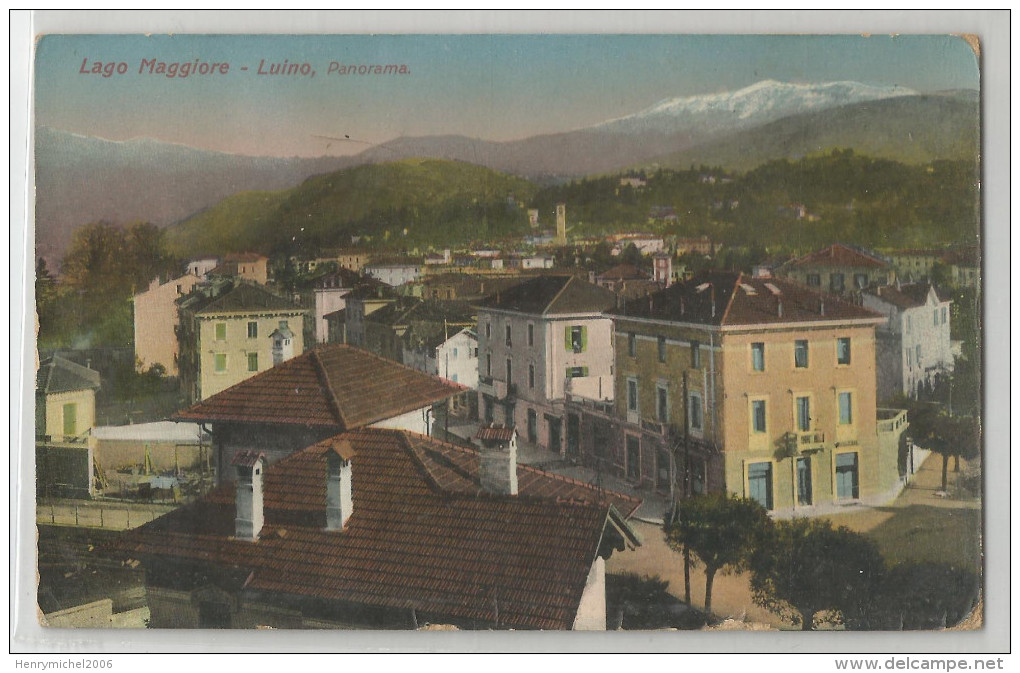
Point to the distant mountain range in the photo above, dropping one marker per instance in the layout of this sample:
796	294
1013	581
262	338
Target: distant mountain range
81	179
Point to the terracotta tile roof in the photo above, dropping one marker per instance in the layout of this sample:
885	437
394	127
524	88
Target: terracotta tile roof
551	295
58	375
723	298
839	255
247	458
419	536
245	257
335	386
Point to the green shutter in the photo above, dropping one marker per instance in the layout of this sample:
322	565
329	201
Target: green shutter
70	420
566	338
584	339
584	371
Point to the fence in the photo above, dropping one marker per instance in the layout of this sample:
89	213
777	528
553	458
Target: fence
112	516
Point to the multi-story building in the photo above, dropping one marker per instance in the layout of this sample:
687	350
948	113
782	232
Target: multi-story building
225	336
450	354
914	265
964	266
411	320
532	339
156	322
247	265
361	302
757	387
330	292
200	266
352	259
838	269
395	274
913	348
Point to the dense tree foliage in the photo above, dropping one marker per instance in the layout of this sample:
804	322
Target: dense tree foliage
722	532
806	566
918	595
933	428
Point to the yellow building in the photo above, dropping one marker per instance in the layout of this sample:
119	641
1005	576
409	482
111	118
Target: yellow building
759	387
65	411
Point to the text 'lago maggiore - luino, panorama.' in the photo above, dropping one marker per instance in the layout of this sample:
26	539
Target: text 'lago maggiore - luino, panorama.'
199	67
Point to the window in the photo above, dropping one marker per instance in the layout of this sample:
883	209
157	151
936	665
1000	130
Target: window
488	364
453	378
509	371
759	483
758	415
909	323
800	353
253	362
577	338
860	280
843	350
662	349
846	409
662	469
695	355
531	376
632	396
532	426
917	354
804	481
509	341
758	356
220	362
221	331
70	419
488	330
662	404
803	414
943	315
253	330
846	475
935	318
531	335
836	283
576	372
631	345
814	280
694	409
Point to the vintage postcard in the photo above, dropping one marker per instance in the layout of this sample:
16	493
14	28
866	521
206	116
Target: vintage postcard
509	332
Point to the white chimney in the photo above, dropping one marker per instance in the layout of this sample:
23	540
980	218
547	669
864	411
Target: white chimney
283	343
250	467
339	493
497	458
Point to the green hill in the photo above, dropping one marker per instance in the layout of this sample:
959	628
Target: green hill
910	129
404	203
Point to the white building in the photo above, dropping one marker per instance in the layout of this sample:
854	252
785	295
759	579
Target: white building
537	262
532	339
454	359
913	347
200	266
330	296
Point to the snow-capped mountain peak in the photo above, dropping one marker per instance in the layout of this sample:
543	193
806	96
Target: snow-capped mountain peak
756	104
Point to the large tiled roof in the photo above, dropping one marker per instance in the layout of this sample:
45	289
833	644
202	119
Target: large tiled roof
725	298
623	272
422	535
967	255
243	297
839	255
57	375
551	295
245	257
334	386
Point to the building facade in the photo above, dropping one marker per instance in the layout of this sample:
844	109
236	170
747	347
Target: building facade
225	336
533	339
913	345
839	269
157	320
759	388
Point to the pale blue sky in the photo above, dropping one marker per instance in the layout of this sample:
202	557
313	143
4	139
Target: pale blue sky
496	87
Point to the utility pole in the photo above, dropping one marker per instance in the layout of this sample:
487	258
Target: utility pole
687	483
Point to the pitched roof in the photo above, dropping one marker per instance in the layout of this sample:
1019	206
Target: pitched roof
58	375
551	295
243	297
333	386
495	433
422	534
245	257
839	255
967	255
724	298
904	296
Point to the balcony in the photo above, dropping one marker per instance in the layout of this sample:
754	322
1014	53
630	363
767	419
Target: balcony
892	420
812	439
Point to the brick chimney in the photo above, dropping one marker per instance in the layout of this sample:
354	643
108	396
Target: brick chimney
497	458
339	492
251	466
